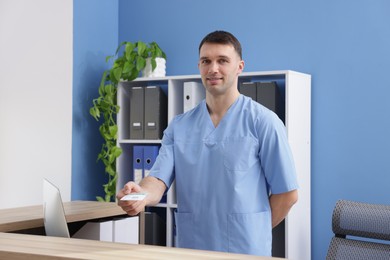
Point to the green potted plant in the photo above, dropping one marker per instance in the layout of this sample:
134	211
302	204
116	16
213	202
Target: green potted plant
127	65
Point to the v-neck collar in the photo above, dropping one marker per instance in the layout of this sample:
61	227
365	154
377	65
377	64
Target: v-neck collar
225	117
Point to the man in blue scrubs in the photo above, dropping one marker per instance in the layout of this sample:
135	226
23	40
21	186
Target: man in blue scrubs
230	157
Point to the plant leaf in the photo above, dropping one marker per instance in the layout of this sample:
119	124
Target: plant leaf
103	80
109	57
142	49
100	199
110	169
158	52
119	47
117	151
127	68
94	111
128	50
133	75
153	63
113	130
110	89
141	63
117	72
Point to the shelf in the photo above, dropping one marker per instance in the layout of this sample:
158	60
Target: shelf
164	205
138	141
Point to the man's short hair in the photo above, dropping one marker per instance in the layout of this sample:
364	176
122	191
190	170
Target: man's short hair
222	37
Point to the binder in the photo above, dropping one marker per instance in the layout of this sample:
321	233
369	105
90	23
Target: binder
155	229
156	112
269	96
138	163
249	89
150	154
136	112
193	93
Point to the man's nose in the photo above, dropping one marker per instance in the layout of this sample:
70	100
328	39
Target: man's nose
213	67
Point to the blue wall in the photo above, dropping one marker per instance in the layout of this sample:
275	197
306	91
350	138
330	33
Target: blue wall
95	35
344	45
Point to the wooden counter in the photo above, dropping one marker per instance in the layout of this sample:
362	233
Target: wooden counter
23	218
32	247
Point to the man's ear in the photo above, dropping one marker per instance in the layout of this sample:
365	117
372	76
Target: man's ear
241	66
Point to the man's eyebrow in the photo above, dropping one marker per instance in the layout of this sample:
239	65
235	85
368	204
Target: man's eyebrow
220	56
224	57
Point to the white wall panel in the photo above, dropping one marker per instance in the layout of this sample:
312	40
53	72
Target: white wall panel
35	98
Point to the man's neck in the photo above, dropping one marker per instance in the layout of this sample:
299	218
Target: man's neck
219	105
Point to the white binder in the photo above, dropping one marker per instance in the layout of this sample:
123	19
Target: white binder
193	93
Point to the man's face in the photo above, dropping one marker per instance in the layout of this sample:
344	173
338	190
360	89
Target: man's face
219	67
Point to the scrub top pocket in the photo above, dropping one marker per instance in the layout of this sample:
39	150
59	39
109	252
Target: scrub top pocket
250	233
240	153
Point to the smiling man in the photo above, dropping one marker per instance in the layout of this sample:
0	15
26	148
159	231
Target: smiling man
234	171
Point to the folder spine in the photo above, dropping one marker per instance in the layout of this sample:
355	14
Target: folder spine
150	155
249	89
193	94
155	231
138	163
156	112
269	96
137	113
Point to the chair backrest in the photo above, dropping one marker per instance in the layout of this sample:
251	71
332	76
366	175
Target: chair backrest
360	220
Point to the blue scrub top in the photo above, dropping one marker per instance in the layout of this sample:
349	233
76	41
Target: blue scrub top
224	176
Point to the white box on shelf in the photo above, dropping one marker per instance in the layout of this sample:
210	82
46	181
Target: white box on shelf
126	230
96	231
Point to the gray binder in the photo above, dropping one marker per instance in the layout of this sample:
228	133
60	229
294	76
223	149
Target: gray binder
248	89
156	112
269	96
136	113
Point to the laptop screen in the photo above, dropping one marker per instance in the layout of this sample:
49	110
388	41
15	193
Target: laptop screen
53	211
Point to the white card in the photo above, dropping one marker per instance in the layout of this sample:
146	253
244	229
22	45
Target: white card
134	196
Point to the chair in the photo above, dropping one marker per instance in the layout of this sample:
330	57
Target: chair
370	222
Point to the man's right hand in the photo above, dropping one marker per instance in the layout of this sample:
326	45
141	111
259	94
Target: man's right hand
131	207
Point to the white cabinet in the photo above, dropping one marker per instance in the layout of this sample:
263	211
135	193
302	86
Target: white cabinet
296	91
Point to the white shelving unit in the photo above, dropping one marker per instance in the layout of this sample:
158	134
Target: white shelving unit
296	91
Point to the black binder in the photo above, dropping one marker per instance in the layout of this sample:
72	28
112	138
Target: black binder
155	229
156	112
136	113
248	89
267	95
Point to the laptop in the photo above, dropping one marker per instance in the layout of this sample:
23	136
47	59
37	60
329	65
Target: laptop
108	230
53	211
